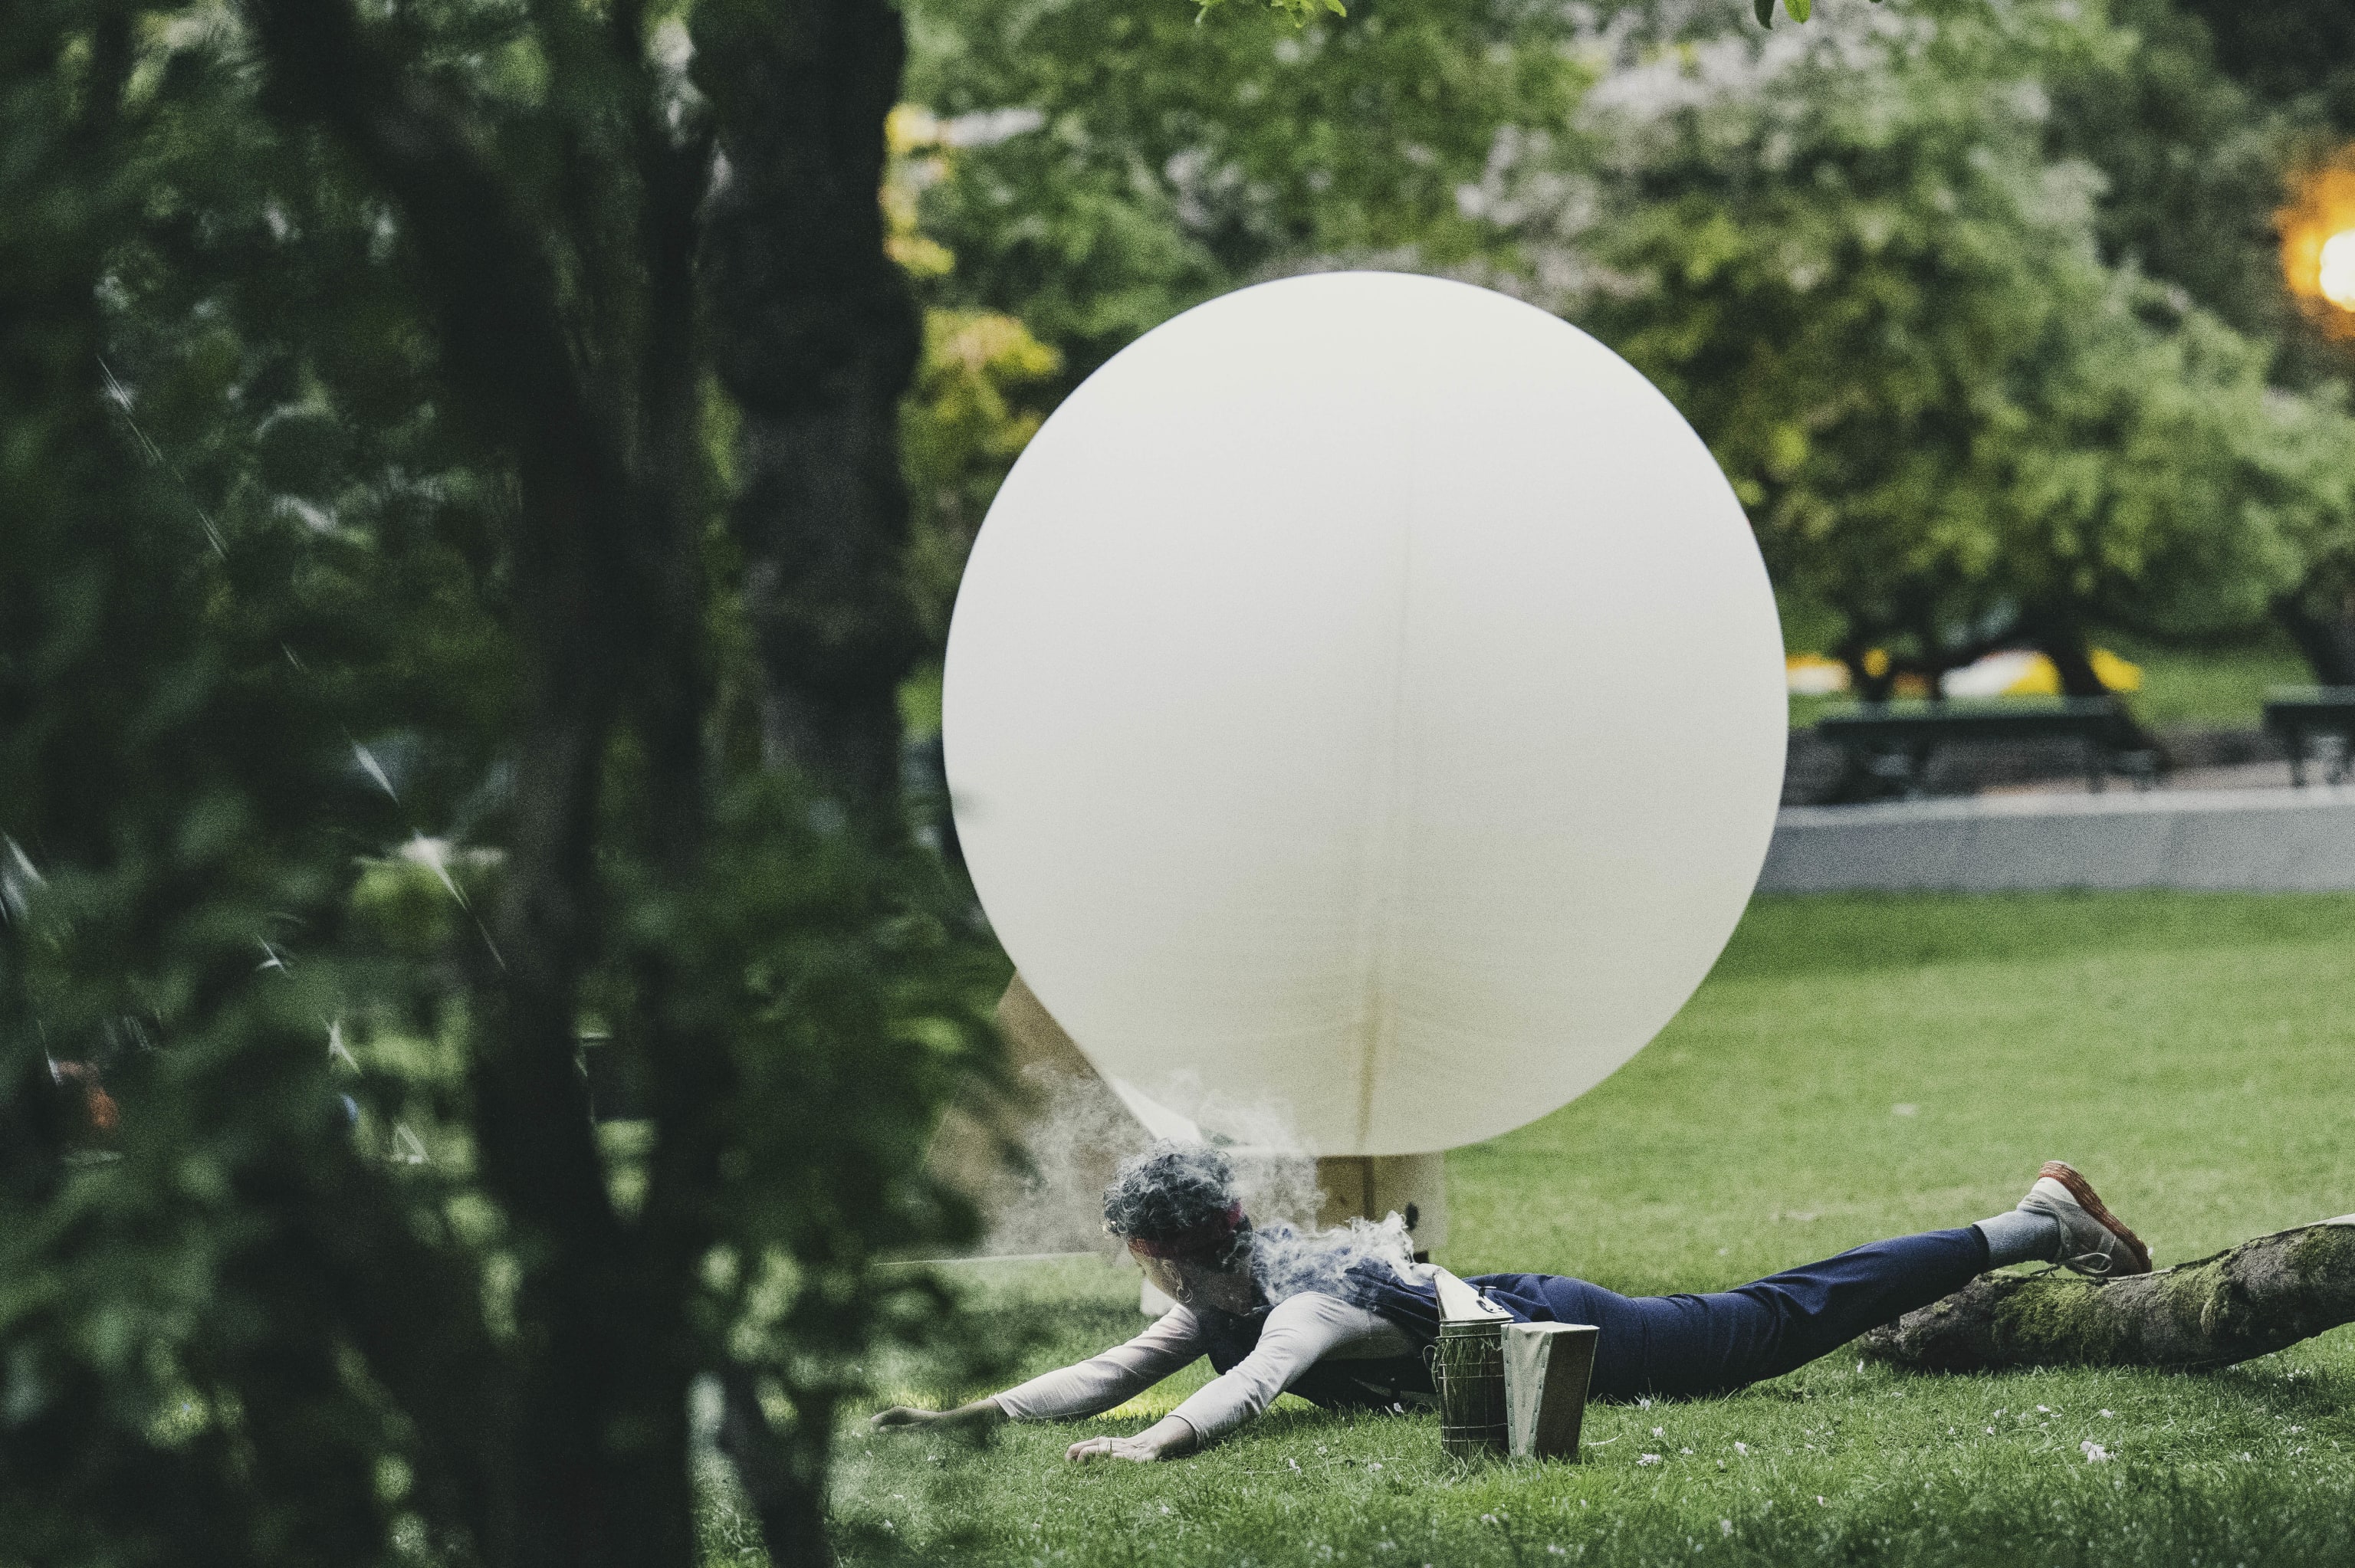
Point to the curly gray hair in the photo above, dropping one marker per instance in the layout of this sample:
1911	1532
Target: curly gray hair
1178	1200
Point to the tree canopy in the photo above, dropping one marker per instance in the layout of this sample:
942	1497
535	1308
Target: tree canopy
1977	306
1871	264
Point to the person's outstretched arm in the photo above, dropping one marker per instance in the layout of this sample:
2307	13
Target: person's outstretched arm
1302	1330
1087	1388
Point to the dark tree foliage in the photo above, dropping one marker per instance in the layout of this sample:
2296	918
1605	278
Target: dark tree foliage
2287	50
2190	166
403	679
1977	307
2296	59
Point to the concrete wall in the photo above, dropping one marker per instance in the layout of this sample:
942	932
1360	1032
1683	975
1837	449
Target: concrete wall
2240	840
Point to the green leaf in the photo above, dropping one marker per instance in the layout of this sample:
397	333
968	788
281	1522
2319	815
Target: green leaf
1765	9
1799	9
1300	11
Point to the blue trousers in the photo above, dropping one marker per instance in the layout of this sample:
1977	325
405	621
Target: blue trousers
1667	1346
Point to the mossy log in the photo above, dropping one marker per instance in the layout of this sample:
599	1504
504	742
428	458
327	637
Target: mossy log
2250	1300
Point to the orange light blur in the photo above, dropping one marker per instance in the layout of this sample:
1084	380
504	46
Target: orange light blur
2317	231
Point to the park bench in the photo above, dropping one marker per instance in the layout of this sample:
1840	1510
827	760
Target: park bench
1891	743
2316	722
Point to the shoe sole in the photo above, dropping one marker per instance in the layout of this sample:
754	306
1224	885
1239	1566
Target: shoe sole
2090	1201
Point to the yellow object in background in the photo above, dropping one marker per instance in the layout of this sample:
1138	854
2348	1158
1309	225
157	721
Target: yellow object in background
2118	675
1813	675
2012	672
2021	672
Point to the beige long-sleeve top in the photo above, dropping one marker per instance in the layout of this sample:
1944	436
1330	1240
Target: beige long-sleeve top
1300	1331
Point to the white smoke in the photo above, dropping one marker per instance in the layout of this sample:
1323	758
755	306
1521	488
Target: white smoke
1286	1261
1076	1134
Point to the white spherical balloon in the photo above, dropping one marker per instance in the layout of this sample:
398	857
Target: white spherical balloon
1365	704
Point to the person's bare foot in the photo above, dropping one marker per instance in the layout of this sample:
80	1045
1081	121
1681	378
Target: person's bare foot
2094	1241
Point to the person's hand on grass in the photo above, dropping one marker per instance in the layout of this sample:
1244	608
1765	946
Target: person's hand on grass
1135	1448
1164	1439
979	1415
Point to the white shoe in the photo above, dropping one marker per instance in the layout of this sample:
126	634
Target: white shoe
2094	1241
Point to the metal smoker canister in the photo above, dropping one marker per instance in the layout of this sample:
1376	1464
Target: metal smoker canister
1468	1370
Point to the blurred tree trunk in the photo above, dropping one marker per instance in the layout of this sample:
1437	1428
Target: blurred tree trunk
2251	1300
51	336
816	338
609	599
2324	637
1871	674
2058	636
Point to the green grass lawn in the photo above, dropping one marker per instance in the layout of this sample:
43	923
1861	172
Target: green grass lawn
1856	1067
2211	688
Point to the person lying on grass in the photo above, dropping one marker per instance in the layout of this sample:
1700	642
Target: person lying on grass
1341	1318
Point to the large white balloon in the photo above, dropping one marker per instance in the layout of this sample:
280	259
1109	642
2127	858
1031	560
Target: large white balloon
1365	704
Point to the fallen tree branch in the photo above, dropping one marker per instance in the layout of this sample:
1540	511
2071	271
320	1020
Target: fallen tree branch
2251	1300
